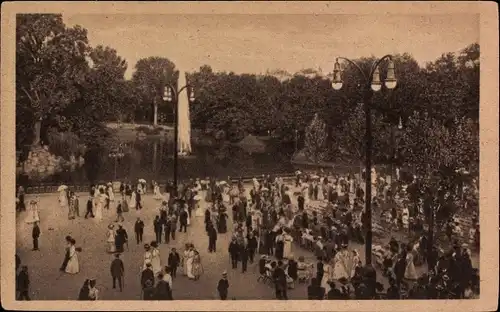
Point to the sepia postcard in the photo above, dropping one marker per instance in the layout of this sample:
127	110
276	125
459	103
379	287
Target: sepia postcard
249	156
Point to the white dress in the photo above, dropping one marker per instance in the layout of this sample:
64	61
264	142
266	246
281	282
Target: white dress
33	215
326	277
287	248
132	203
111	193
110	240
189	264
201	206
155	261
98	207
73	266
148	257
157	193
340	269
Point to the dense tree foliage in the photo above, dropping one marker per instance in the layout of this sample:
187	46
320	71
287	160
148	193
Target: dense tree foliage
64	83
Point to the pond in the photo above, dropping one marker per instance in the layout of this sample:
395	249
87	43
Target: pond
152	159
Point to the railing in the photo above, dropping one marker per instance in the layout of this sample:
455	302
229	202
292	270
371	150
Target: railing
51	188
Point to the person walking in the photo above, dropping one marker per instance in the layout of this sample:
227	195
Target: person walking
35	234
252	245
212	238
119	213
223	286
90	205
173	225
117	271
158	227
233	253
166	228
183	218
244	258
173	262
23	284
139	230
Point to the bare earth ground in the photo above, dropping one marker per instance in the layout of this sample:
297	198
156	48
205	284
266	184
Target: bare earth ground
47	283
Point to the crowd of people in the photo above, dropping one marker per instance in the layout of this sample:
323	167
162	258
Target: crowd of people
323	213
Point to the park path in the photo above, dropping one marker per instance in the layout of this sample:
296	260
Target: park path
47	283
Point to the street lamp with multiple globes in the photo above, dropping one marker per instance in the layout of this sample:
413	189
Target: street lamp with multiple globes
171	94
370	84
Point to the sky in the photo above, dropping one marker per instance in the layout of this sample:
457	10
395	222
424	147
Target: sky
249	43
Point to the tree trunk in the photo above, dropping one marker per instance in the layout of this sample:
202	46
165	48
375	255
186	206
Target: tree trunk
37	127
155	114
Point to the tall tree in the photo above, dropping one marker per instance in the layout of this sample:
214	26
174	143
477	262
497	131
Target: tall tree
50	66
316	148
150	76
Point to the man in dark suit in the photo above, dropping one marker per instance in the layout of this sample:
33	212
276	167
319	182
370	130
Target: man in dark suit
212	238
158	227
35	234
173	262
117	271
183	217
147	275
138	200
139	230
279	278
23	283
90	205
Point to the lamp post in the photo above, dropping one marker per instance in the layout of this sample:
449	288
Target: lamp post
370	84
116	153
171	94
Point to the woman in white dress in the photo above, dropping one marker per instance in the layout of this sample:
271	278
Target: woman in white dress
156	191
148	256
189	263
355	262
73	265
155	258
110	239
225	194
33	215
327	274
63	199
132	202
110	192
185	257
101	198
199	205
340	269
287	248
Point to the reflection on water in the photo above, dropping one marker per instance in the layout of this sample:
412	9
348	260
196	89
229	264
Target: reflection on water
151	159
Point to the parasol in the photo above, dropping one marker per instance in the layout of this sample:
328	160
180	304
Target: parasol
222	182
314	176
62	188
142	181
298	172
264	189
